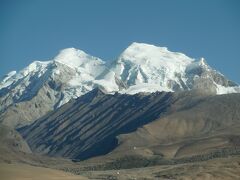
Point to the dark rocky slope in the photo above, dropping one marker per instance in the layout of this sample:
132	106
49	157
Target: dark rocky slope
165	125
88	126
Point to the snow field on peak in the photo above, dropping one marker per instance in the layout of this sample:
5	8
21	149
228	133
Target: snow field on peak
144	87
7	80
144	54
226	90
35	67
108	82
78	59
142	63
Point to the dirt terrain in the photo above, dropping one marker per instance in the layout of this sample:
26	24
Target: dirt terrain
223	168
27	172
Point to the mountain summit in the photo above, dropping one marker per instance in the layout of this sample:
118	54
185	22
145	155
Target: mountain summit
47	85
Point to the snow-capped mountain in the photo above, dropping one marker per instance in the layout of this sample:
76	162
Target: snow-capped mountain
69	75
46	85
149	68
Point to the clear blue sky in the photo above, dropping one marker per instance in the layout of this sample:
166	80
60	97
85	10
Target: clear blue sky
38	29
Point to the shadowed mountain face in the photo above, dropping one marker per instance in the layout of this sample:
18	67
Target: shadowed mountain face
88	126
166	124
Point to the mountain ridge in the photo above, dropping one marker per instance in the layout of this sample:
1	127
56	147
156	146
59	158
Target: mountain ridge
72	73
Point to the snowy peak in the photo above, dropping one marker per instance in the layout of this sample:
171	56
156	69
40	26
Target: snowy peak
76	58
203	62
71	57
198	65
141	53
36	66
143	65
8	76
